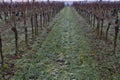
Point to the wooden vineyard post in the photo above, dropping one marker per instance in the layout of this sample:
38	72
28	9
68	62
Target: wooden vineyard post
107	30
35	17
32	25
45	22
89	18
102	21
45	17
32	20
36	24
116	33
48	11
94	21
26	36
49	15
2	57
16	39
98	25
98	17
25	27
41	21
14	29
1	52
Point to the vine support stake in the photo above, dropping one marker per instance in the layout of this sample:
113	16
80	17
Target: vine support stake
1	52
